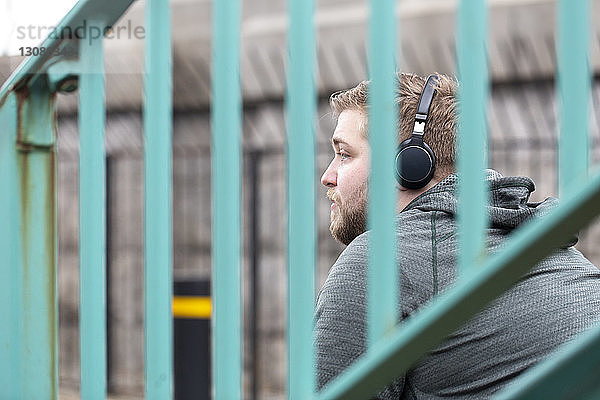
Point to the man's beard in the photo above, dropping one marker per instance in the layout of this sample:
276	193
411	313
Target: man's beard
349	219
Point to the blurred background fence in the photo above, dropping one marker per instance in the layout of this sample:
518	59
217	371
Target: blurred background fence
522	141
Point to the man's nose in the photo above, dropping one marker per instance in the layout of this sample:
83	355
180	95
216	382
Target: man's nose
329	177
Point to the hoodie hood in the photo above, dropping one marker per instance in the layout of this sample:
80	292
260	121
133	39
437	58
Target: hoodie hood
508	206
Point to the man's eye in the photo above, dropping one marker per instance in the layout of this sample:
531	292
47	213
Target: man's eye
343	156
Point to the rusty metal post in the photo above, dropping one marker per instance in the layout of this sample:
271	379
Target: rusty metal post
28	237
28	233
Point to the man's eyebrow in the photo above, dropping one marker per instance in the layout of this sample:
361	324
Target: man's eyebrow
336	140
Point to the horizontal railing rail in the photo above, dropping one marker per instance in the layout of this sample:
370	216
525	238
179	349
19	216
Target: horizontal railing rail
107	13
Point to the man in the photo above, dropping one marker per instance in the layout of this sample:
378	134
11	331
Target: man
555	301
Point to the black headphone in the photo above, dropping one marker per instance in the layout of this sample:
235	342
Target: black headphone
415	161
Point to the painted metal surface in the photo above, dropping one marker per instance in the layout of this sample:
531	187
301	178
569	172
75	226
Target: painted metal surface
92	219
28	333
472	134
383	272
226	202
30	336
29	365
301	150
158	236
84	10
37	176
573	90
11	249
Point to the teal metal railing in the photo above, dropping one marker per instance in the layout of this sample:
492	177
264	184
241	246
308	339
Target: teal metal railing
29	351
382	274
92	217
226	197
28	236
301	150
158	237
573	90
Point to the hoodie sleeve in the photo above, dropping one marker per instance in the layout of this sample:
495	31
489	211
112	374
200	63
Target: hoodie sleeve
340	328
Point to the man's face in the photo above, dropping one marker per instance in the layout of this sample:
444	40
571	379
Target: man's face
347	176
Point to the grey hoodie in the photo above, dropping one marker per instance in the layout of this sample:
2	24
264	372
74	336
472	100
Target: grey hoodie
557	299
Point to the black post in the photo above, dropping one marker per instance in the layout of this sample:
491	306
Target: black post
191	342
109	299
253	246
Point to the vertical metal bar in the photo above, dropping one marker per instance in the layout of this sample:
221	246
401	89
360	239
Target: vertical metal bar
29	340
383	274
158	252
574	87
11	280
37	176
226	198
472	134
301	148
92	218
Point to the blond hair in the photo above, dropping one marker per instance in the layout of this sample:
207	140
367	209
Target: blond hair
440	131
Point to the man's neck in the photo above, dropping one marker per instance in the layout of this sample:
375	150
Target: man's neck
405	196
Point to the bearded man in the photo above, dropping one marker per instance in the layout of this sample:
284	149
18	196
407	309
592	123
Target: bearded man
555	301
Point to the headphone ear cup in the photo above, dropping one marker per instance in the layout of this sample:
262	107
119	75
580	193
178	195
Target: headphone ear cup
414	164
398	160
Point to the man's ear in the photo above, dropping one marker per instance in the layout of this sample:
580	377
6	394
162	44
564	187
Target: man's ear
401	188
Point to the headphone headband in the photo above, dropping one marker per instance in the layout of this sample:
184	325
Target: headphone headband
424	104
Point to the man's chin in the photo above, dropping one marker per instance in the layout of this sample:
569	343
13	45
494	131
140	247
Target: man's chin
345	227
342	234
338	237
